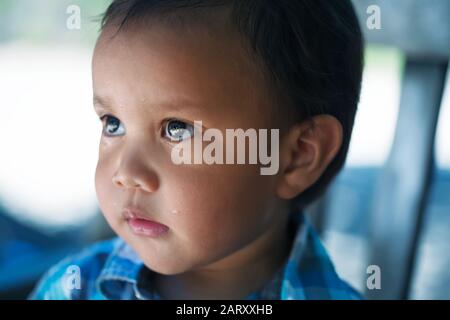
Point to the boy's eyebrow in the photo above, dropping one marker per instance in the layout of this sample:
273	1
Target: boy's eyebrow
101	103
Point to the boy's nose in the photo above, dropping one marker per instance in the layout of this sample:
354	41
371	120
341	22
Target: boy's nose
147	181
134	173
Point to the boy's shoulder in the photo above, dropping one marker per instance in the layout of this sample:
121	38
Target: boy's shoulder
309	273
76	276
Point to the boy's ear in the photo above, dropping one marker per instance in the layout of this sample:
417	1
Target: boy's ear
305	153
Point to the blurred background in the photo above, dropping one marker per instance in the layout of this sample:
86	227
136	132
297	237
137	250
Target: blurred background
389	207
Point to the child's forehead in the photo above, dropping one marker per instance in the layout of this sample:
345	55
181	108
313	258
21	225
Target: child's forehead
195	40
214	21
164	67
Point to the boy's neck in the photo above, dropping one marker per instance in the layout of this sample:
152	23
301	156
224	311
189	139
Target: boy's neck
235	276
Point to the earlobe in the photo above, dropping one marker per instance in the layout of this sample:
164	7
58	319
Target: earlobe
306	152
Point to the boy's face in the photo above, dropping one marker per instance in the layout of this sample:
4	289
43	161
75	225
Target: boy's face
147	77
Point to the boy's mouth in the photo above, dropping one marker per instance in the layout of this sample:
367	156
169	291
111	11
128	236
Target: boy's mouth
140	225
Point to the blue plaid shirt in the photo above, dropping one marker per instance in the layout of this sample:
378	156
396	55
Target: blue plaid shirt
112	270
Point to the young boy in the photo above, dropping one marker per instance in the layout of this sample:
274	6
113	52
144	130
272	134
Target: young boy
216	230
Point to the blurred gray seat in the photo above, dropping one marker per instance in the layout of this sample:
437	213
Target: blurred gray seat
421	29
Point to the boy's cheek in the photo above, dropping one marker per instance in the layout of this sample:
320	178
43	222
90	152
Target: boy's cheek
108	198
216	190
214	213
216	193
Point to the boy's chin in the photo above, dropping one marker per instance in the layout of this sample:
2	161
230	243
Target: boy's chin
166	270
169	267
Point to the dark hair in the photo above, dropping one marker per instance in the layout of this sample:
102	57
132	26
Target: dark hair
312	51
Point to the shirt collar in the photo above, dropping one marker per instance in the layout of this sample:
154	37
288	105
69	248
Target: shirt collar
119	276
307	274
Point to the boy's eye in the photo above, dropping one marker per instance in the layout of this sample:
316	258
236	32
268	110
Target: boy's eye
177	130
112	125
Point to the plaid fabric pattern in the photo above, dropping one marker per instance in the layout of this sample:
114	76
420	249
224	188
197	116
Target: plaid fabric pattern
112	270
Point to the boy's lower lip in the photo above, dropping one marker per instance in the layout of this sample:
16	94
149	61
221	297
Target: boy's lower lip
147	228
